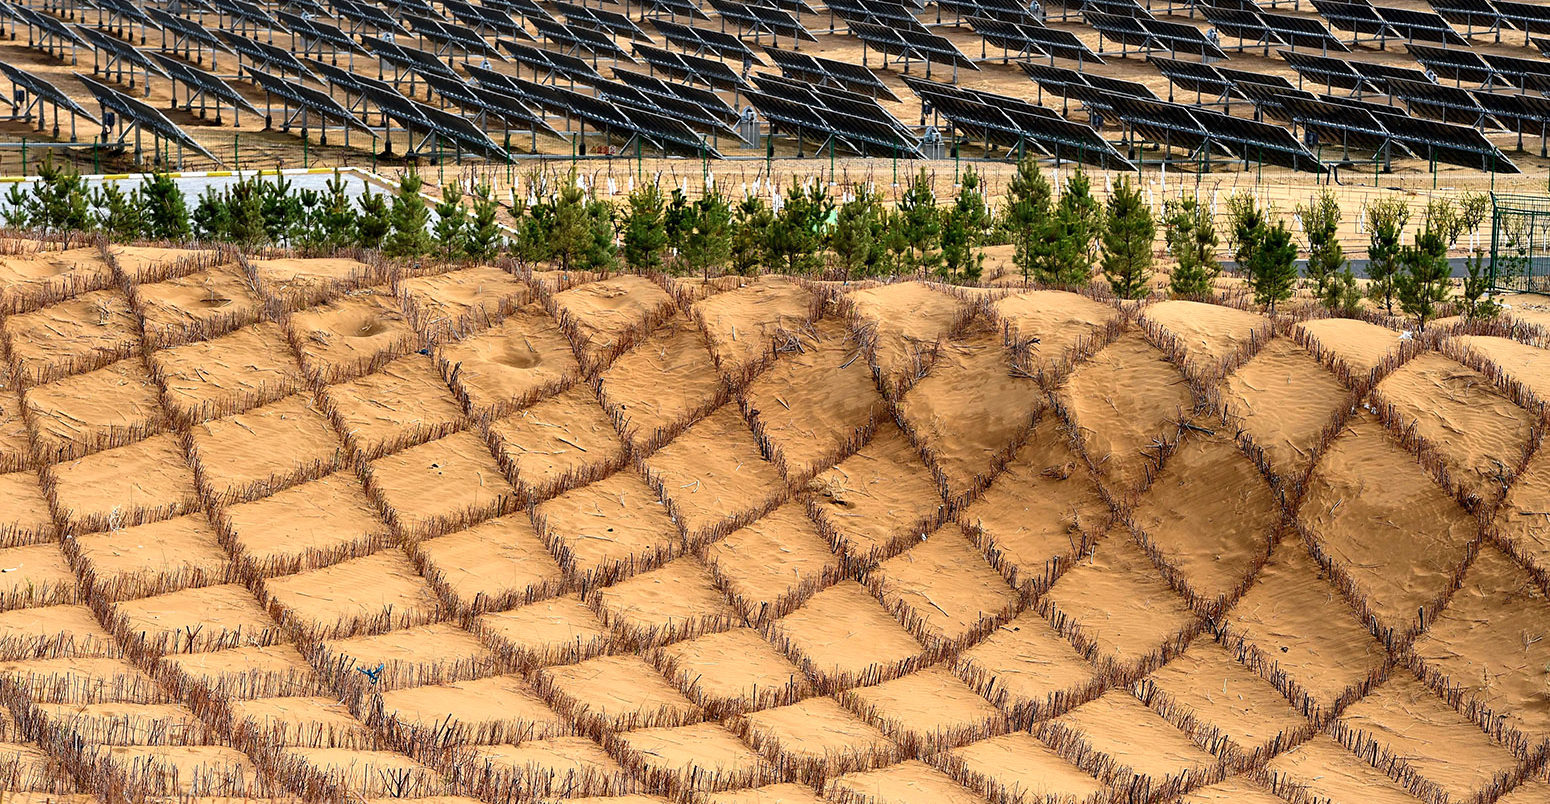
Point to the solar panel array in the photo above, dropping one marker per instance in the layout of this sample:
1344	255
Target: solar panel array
680	66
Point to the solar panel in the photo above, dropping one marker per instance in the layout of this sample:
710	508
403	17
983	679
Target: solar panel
1437	102
675	8
243	11
1330	72
304	97
272	57
1118	8
186	29
872	11
45	90
485	18
1239	77
658	129
1017	124
1243	25
1527	17
201	81
1528	74
843	74
46	25
1255	141
690	113
1454	65
1421	26
601	20
319	31
1151	34
547	63
774	21
1201	79
1270	101
1514	111
702	41
526	9
128	11
449	35
576	38
1378	74
709	102
412	114
1008	10
405	58
116	48
141	114
854	125
1468	13
1031	38
711	73
483	100
1358	18
794	6
1301	32
367	14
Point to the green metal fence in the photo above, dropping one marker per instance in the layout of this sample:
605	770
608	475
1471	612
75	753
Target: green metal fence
1520	242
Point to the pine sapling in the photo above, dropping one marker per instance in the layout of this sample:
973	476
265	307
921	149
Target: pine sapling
1422	282
1028	214
1128	234
644	228
1077	226
451	228
375	221
1386	221
751	220
857	237
921	224
1190	233
708	243
1272	264
963	230
1326	259
165	208
410	216
484	240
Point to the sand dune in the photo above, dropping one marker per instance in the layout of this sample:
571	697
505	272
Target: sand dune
331	530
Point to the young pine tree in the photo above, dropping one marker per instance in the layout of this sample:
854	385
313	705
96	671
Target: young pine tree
795	236
451	228
59	203
16	205
1029	210
1246	221
643	228
1128	234
1272	264
484	240
1191	236
165	208
1475	300
281	210
1077	225
1326	259
1422	281
117	213
677	218
410	216
920	224
857	237
708	243
602	249
963	230
336	219
1386	221
751	220
375	221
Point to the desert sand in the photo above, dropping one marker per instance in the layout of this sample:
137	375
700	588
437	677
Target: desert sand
343	530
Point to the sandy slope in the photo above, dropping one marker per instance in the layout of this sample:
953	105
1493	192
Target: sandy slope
761	540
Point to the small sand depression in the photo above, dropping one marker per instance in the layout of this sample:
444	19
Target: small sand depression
323	531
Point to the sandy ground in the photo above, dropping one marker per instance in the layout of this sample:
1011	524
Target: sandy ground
243	140
478	533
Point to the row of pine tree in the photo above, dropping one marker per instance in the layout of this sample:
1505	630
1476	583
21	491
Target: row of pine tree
1059	238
